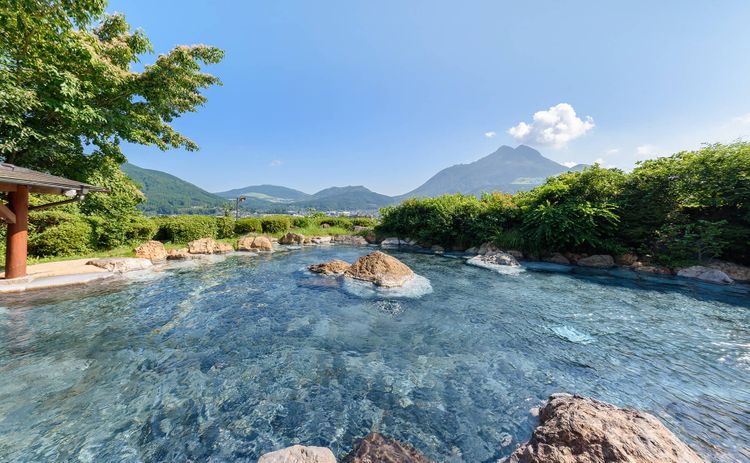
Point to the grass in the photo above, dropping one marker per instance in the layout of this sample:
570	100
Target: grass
129	250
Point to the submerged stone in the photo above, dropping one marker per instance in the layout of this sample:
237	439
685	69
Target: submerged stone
574	429
375	447
380	269
597	261
299	454
556	258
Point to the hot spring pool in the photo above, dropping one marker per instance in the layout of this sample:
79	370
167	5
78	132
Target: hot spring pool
226	361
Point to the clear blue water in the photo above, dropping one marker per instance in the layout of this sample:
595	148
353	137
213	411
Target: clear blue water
226	361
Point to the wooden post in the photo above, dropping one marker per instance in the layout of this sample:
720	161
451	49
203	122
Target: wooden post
18	234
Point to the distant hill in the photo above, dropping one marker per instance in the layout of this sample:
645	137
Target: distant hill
350	198
507	169
273	193
167	194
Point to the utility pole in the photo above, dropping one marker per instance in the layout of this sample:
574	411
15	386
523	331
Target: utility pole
237	202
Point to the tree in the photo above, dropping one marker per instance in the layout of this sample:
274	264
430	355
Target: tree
69	94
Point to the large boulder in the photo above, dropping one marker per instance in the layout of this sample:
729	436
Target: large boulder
381	269
299	454
393	242
151	250
597	261
334	267
654	269
734	271
627	259
710	275
376	448
255	243
208	246
488	248
556	258
292	238
121	264
351	240
574	429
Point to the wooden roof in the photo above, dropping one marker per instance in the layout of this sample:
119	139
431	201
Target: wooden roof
38	182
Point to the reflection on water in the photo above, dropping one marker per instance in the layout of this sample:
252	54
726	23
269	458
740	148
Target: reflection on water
225	361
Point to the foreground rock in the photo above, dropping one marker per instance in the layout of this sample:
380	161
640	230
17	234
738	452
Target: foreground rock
255	243
597	261
380	269
351	240
208	246
121	264
495	258
375	447
299	454
292	238
575	429
151	250
334	267
710	275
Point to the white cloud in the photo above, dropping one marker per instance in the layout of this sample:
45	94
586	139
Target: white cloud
490	134
744	119
275	163
612	151
570	163
555	127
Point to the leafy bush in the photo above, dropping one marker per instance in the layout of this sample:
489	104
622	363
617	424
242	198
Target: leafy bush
684	243
302	221
340	222
275	224
225	227
247	225
62	239
363	222
182	229
141	229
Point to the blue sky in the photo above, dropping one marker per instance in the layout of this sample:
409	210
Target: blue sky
384	94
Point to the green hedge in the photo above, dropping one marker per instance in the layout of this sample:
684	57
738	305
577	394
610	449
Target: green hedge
185	228
276	223
57	233
247	225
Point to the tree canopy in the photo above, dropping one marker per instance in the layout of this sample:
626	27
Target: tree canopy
70	92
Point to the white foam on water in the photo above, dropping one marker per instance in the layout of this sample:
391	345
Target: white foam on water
502	269
572	335
412	289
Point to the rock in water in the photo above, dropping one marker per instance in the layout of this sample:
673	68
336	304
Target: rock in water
299	454
574	429
321	239
557	258
497	258
208	246
292	238
377	448
151	250
255	243
334	267
734	271
178	254
121	264
352	240
381	269
597	261
710	275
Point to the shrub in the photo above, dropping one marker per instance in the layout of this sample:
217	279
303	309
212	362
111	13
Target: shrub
302	221
181	229
63	239
141	229
225	227
275	224
247	225
363	222
341	222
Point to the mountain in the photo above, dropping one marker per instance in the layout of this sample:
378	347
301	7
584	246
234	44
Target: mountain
507	169
273	193
167	194
349	198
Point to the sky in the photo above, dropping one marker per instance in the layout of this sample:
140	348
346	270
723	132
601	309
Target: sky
385	94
